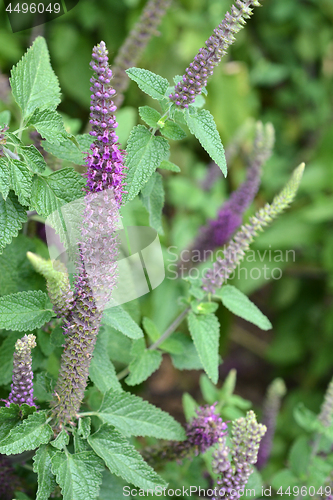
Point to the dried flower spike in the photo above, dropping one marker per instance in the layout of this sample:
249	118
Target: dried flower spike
22	385
235	251
196	75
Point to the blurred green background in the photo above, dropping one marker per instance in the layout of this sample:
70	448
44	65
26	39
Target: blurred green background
280	69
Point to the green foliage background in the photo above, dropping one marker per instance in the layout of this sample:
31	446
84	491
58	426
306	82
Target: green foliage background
280	69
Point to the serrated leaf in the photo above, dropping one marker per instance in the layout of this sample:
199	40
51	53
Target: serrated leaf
168	165
144	154
135	417
149	115
172	131
9	418
12	216
61	440
154	201
33	81
144	364
24	311
239	304
79	476
205	332
150	83
20	180
4	177
84	427
188	359
101	369
68	150
51	192
33	158
119	319
49	124
112	488
42	467
33	432
202	125
122	459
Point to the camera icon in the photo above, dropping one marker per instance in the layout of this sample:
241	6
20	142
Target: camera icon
26	14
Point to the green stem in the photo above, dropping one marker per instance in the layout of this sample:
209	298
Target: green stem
160	341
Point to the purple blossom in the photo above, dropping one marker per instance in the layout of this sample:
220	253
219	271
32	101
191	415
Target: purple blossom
106	161
2	139
22	385
196	75
204	430
272	403
96	266
234	472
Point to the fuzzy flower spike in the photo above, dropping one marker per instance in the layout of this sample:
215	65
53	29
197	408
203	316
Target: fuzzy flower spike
106	161
96	266
196	75
22	385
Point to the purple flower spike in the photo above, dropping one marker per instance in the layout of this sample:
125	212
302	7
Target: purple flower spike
196	75
106	159
205	429
22	385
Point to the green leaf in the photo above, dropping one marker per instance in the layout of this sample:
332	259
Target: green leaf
239	304
144	364
119	319
51	192
4	177
4	118
154	201
202	125
49	124
284	479
205	332
101	369
21	180
33	158
112	488
150	83
203	307
68	150
42	467
144	154
12	216
33	81
171	130
188	359
168	165
33	432
61	440
84	427
189	406
122	459
9	418
169	345
24	311
135	417
149	115
306	418
299	456
209	391
79	476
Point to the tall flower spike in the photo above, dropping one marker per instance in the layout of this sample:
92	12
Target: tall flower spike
204	430
326	412
218	231
57	282
234	474
272	404
130	52
98	246
235	251
106	160
22	385
196	75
